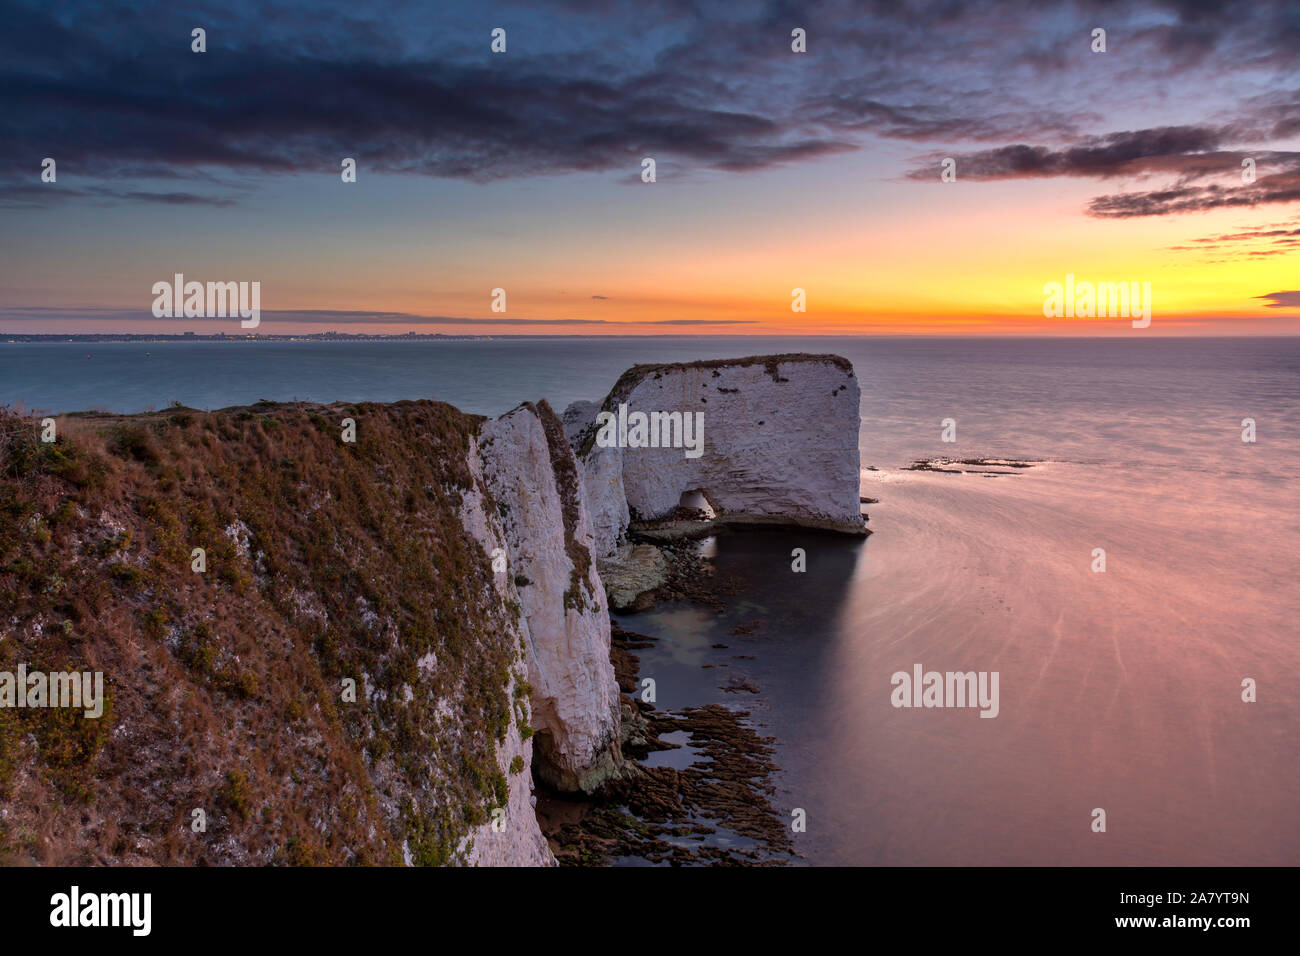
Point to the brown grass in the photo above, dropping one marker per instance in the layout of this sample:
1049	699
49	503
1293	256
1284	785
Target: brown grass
325	561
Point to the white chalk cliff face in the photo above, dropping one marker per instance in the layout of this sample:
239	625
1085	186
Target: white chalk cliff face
518	841
602	480
780	445
533	478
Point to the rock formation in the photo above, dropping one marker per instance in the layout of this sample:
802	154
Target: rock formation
520	841
534	479
442	566
780	445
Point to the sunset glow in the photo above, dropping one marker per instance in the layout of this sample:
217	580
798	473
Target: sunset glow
819	171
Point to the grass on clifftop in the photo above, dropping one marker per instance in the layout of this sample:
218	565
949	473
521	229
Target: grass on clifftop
325	561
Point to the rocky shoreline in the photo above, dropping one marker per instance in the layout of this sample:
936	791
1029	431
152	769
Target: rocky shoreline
673	815
666	815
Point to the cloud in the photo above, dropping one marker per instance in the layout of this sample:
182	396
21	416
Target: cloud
114	92
1282	300
693	322
1189	150
1278	188
107	104
1187	155
176	198
1279	238
26	196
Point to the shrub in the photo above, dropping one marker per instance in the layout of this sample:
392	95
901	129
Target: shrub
127	575
500	789
133	440
236	793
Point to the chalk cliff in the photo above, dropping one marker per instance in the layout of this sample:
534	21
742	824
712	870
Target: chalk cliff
389	638
516	839
534	479
308	656
780	445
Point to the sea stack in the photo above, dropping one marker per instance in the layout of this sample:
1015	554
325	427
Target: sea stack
780	446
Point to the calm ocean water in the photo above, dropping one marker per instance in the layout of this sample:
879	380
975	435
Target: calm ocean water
1119	690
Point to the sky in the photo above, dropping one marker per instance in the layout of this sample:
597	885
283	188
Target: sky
775	170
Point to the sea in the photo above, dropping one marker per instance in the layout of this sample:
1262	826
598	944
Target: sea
1161	688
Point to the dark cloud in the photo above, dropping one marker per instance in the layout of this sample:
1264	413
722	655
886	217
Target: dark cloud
1188	150
1187	155
1278	188
106	105
20	196
112	91
940	121
176	199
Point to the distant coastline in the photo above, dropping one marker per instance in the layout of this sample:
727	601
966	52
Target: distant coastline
15	337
